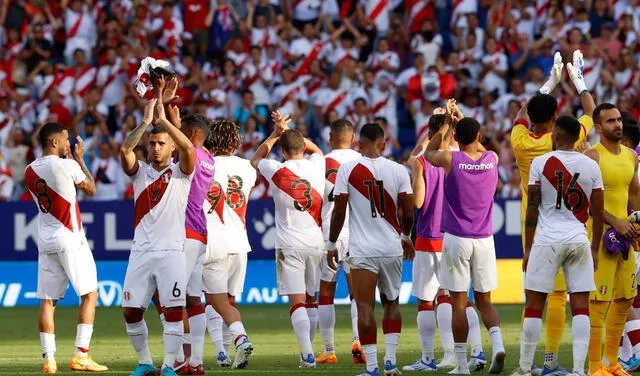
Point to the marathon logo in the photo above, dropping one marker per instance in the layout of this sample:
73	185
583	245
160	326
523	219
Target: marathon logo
475	167
206	165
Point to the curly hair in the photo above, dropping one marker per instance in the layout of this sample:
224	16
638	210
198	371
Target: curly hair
224	137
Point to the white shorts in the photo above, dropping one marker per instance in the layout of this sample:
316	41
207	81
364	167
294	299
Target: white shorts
225	274
298	271
330	275
194	251
56	270
468	261
148	270
425	280
574	259
388	269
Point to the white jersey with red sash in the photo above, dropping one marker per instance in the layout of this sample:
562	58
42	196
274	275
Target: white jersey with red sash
297	187
462	7
333	160
373	187
239	59
263	37
591	72
160	207
330	99
285	95
340	55
51	181
376	59
111	79
254	78
85	79
378	11
80	30
28	115
310	50
418	10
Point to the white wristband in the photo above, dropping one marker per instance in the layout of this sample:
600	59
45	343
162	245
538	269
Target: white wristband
331	245
404	237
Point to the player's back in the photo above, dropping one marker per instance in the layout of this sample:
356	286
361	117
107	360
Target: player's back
159	207
51	181
333	161
566	179
373	187
297	186
617	171
429	216
195	222
226	206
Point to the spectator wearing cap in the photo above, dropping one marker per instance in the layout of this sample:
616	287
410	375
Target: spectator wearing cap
80	24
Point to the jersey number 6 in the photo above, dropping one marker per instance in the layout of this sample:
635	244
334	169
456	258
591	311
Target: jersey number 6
571	190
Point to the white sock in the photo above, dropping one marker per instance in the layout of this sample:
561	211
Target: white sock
427	331
391	341
302	328
475	337
138	334
443	315
198	329
186	340
496	339
371	353
83	338
312	312
625	351
580	332
173	332
48	343
327	321
227	338
460	349
531	329
237	330
354	320
214	326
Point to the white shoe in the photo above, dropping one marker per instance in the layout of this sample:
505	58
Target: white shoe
520	372
497	362
449	361
420	365
243	352
458	371
308	362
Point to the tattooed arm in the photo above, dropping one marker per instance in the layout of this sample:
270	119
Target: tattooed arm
88	185
531	221
128	157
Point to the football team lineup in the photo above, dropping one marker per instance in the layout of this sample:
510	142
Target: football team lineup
361	213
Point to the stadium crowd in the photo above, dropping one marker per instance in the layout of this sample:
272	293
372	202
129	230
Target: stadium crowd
393	62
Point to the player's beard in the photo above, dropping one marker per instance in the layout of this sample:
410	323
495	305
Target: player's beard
615	135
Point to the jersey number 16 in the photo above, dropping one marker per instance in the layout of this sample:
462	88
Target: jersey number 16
571	190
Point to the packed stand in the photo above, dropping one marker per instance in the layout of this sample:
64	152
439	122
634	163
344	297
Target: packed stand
75	62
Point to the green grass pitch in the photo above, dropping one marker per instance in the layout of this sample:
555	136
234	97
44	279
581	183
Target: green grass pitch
269	329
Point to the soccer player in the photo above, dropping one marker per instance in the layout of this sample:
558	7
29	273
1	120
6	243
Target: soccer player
428	190
527	145
226	258
615	277
565	188
341	138
63	253
296	185
471	176
157	257
374	187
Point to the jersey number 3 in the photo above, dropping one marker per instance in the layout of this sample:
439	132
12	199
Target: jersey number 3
570	192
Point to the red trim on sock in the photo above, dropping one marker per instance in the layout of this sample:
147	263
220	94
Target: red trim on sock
232	303
533	313
235	341
391	326
368	339
634	336
636	302
311	305
443	299
293	309
425	306
83	349
325	300
159	309
195	310
469	304
580	311
621	341
173	316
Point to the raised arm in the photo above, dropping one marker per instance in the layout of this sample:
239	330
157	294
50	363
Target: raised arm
437	157
575	70
88	185
128	157
311	148
263	150
186	151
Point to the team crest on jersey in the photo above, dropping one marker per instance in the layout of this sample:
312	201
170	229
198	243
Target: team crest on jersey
158	190
126	295
603	290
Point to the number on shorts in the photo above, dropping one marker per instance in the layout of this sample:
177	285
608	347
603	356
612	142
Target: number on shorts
213	196
370	187
333	171
42	194
571	190
176	291
307	194
234	192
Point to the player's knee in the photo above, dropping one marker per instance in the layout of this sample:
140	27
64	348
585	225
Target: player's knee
90	297
193	301
132	315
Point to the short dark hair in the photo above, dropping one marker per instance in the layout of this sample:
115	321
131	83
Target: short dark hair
599	108
628	120
196	122
541	108
371	131
158	130
360	99
381	119
47	131
436	122
631	133
569	126
342	125
292	141
467	130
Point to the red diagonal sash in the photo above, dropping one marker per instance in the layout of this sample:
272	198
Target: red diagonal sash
331	168
111	78
285	99
76	26
235	198
358	176
151	196
252	80
48	200
542	8
378	9
290	183
216	191
577	198
306	63
380	105
336	101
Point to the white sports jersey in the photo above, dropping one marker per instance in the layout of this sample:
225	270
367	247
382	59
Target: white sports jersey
51	181
333	161
373	187
297	186
226	206
160	208
563	214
